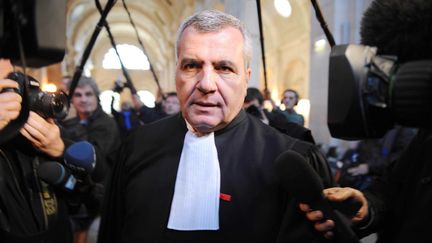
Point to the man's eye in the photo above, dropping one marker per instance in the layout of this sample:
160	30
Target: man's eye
225	69
190	66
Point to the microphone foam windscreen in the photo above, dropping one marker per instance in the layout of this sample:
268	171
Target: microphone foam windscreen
51	172
81	155
298	177
399	27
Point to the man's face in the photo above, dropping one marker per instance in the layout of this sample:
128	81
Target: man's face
84	100
171	105
289	100
211	77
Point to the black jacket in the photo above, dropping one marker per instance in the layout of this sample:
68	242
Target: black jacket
30	210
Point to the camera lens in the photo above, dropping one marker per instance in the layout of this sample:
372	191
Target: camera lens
59	105
51	105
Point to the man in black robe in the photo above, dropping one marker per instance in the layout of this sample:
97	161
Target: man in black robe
158	192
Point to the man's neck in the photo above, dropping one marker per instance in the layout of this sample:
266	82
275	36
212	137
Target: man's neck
84	116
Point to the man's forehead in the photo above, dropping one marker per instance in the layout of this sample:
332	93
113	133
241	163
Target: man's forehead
84	89
223	34
225	44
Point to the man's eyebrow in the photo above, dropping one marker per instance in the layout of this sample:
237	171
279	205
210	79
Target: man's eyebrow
189	60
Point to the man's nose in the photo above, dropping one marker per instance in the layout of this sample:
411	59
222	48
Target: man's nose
83	98
207	83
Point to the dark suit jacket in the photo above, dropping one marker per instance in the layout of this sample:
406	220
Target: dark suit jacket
142	187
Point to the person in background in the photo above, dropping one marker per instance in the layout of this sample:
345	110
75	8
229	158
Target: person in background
91	124
363	164
253	104
64	87
128	117
168	106
207	174
290	99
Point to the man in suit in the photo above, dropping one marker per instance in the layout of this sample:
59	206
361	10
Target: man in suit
207	174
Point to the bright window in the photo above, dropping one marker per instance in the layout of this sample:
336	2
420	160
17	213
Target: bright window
131	56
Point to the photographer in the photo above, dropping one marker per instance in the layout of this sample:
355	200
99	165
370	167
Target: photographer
127	118
30	210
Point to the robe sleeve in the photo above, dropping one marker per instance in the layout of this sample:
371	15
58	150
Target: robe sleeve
318	162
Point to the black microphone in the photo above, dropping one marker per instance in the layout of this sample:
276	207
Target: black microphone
81	157
299	178
56	174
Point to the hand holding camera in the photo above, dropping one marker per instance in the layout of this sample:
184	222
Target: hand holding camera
10	102
43	134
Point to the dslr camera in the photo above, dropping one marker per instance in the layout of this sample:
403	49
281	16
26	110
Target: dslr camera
45	104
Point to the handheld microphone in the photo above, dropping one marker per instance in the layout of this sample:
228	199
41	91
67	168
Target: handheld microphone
56	174
81	157
299	178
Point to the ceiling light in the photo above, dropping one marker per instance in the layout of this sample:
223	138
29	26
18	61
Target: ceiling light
283	7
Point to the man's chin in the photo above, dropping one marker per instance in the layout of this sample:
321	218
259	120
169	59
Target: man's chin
203	125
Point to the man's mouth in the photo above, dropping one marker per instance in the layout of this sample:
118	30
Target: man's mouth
205	104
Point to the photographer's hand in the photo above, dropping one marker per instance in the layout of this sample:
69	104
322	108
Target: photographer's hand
44	135
10	102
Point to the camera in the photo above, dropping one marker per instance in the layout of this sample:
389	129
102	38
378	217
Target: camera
369	93
47	105
118	86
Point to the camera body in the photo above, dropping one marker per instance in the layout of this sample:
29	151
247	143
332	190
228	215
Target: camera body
34	30
47	105
118	86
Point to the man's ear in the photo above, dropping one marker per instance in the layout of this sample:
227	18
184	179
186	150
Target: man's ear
248	74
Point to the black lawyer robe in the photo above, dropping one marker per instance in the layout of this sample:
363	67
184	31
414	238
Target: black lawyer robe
140	192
